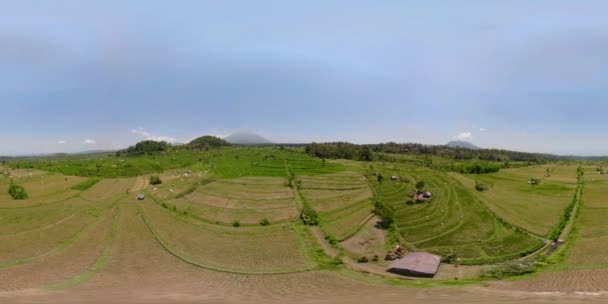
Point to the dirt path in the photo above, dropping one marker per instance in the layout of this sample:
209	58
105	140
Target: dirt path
140	184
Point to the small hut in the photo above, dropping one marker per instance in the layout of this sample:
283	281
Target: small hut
418	264
141	197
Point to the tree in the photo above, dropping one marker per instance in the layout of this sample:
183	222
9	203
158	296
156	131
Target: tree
380	178
365	154
17	192
155	180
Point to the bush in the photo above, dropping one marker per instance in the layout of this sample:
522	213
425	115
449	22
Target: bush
509	269
309	216
264	222
155	180
331	239
385	213
236	224
480	187
17	192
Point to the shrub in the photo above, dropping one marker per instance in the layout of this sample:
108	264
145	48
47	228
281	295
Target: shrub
514	268
386	214
155	180
17	192
236	224
264	222
331	238
363	259
480	187
309	216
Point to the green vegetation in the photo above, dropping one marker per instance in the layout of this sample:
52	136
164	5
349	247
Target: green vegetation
86	184
155	180
207	142
362	207
146	147
17	191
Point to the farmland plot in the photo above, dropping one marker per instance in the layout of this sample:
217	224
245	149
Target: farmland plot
273	249
589	249
342	199
454	221
247	200
535	208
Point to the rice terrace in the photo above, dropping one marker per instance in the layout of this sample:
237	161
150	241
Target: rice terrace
155	217
303	152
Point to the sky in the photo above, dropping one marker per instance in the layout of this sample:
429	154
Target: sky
520	75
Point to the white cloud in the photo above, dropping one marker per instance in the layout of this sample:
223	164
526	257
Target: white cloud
148	136
89	141
464	136
62	142
482	129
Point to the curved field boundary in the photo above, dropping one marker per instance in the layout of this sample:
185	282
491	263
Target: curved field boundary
77	194
99	263
48	226
493	214
64	245
357	229
159	202
175	253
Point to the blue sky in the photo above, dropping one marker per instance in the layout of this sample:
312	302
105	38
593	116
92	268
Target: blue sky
523	75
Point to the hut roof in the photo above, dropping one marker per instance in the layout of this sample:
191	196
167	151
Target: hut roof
416	264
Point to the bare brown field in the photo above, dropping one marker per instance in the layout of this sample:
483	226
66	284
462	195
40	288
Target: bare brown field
368	241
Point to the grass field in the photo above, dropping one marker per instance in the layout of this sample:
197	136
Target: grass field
92	232
272	249
343	201
534	208
454	221
592	227
247	200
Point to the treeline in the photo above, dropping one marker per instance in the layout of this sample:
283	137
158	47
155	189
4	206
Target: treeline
151	147
351	151
339	150
146	147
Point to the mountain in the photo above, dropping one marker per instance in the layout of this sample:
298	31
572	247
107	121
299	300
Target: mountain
462	144
246	138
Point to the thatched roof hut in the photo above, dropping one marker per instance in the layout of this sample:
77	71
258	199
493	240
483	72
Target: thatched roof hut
419	264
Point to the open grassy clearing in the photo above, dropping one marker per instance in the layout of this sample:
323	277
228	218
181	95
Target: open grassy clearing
454	221
589	249
535	208
272	249
41	189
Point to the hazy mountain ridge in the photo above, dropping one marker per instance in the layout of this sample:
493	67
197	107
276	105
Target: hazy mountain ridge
462	144
246	138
